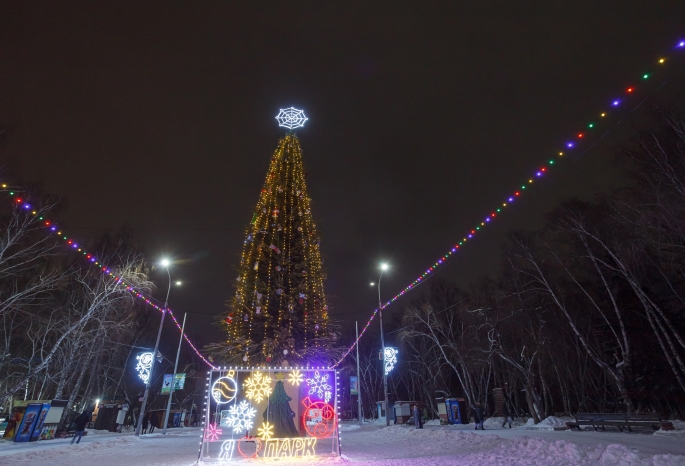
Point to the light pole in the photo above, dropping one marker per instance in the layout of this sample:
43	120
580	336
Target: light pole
173	377
384	267
165	263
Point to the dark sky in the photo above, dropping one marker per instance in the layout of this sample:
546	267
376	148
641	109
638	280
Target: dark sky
422	117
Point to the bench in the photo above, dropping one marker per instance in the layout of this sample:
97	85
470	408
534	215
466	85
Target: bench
620	420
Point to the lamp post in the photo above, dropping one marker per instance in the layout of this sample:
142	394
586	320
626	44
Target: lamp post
165	263
384	267
173	377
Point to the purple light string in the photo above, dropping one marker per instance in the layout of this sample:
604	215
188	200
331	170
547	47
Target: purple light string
538	173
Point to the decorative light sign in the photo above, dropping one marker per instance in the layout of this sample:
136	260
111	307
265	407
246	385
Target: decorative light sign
390	359
144	365
240	417
276	394
319	385
291	118
258	387
224	390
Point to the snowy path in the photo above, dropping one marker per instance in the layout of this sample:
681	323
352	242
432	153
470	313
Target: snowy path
374	446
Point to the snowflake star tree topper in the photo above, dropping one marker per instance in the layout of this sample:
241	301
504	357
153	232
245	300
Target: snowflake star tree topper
291	118
240	417
319	385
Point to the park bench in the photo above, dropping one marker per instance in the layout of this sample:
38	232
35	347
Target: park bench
620	420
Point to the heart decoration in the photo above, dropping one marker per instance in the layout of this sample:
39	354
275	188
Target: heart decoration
258	446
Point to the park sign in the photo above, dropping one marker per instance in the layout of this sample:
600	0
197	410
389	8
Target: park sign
166	385
298	407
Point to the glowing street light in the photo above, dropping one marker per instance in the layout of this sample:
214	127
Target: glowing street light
383	268
164	263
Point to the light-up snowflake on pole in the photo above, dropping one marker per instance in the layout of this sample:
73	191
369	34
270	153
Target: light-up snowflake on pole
258	387
291	118
319	385
240	417
390	359
144	365
266	431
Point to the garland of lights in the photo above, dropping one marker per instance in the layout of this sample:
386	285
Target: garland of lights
51	227
569	145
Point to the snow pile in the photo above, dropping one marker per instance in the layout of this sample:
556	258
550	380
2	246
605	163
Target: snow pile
678	430
496	423
347	427
432	422
549	423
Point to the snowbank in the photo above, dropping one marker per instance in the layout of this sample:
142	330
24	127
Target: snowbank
678	430
432	422
496	423
549	423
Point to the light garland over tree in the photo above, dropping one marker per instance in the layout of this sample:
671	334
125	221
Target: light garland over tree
279	311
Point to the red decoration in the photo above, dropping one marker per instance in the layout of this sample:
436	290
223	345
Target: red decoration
324	413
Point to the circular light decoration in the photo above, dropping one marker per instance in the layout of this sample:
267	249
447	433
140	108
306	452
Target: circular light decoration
258	387
390	359
291	118
224	390
144	365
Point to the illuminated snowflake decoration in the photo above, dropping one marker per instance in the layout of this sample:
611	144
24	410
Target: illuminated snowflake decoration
212	433
291	118
144	365
295	377
319	385
390	359
240	417
258	387
266	431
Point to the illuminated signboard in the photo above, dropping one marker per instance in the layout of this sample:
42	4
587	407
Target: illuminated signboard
277	412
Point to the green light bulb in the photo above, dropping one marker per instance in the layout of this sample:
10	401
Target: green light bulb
591	125
551	162
645	76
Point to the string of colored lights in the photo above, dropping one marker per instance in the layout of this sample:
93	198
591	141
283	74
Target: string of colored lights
51	227
568	146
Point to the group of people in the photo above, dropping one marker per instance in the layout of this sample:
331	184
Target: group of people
149	421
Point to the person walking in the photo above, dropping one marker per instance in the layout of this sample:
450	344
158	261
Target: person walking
81	422
506	414
153	422
418	423
146	421
479	415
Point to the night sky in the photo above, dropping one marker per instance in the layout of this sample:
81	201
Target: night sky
423	116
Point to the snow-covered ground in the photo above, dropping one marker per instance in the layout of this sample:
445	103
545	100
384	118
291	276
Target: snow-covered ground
373	445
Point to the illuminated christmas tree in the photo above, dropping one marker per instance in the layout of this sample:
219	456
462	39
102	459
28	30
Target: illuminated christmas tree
279	311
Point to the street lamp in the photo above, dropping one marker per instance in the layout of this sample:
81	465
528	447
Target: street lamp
164	263
384	267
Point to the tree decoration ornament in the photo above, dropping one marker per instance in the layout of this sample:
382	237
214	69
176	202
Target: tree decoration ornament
319	385
240	417
291	118
390	359
224	390
295	377
258	386
144	365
